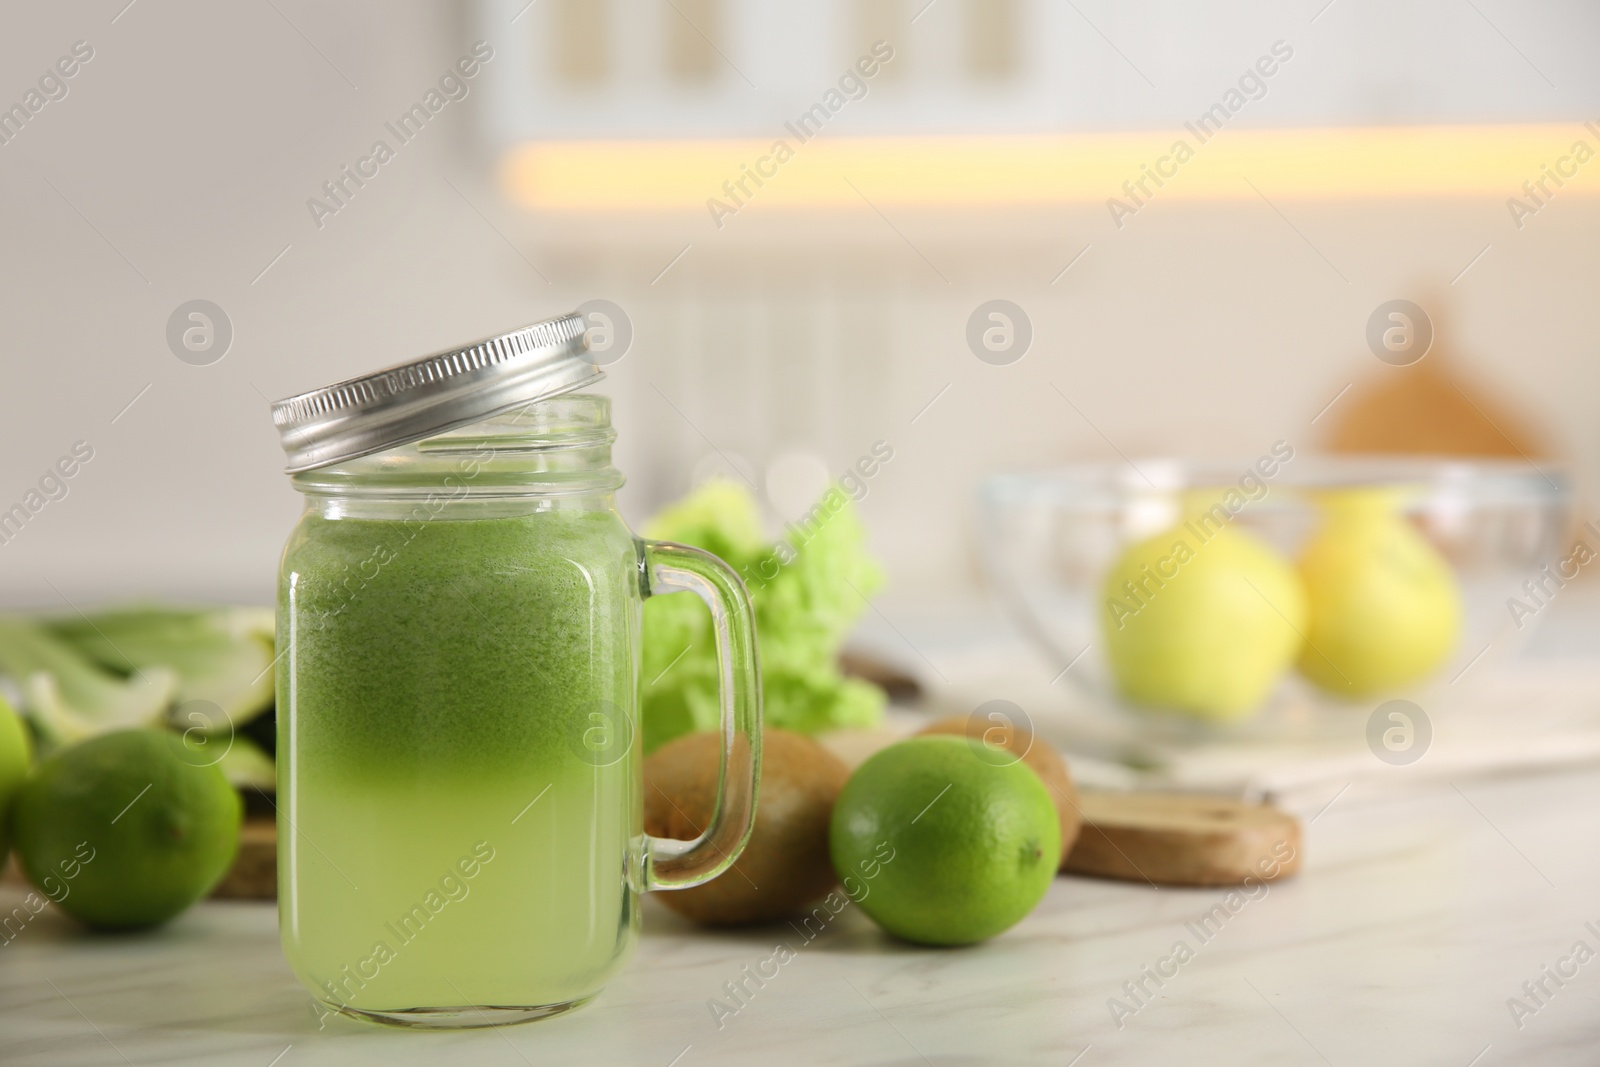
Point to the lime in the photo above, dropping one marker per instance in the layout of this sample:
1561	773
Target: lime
1202	620
121	831
1385	609
15	755
942	846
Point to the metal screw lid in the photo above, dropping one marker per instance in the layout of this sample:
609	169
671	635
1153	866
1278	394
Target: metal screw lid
432	395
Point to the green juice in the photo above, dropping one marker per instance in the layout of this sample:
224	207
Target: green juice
458	784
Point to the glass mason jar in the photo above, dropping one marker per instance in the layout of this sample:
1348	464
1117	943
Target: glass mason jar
459	798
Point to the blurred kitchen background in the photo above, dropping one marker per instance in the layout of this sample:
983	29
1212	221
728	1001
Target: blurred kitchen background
780	336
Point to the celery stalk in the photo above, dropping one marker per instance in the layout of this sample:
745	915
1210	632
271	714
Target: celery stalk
222	656
68	696
246	765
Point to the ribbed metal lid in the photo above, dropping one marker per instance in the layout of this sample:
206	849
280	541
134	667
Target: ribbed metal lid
432	395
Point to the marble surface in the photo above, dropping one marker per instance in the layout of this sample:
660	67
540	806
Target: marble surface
1413	924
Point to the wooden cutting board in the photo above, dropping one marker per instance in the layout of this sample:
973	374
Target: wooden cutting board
255	870
1183	839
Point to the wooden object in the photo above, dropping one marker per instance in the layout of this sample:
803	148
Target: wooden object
900	687
254	875
1432	408
1183	839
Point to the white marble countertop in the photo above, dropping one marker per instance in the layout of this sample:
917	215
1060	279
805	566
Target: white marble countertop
1412	924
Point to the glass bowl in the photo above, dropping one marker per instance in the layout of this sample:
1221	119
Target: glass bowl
1047	539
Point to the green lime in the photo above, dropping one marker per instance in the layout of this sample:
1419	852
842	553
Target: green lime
121	831
15	755
942	847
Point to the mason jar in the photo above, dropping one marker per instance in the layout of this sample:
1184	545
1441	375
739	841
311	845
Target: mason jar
459	617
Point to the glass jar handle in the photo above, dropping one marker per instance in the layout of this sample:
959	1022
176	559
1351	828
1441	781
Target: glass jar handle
672	568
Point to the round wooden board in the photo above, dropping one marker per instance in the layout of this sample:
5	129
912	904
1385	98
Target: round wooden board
254	875
1183	839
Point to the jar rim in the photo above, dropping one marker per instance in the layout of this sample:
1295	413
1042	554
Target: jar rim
558	445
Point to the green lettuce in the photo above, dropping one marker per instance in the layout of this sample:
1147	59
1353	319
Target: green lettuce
808	590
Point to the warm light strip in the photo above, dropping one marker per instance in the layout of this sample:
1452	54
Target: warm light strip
683	175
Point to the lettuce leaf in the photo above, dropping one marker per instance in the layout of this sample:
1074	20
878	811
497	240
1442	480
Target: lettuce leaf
808	590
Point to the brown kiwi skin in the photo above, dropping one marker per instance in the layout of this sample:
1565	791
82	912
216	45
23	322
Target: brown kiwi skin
785	865
1040	757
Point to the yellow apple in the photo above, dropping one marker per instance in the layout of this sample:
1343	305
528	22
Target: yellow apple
1385	607
1202	619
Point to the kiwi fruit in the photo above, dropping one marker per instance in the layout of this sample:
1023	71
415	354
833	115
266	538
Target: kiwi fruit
785	865
1037	753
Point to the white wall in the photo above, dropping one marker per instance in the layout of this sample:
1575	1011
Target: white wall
1090	64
